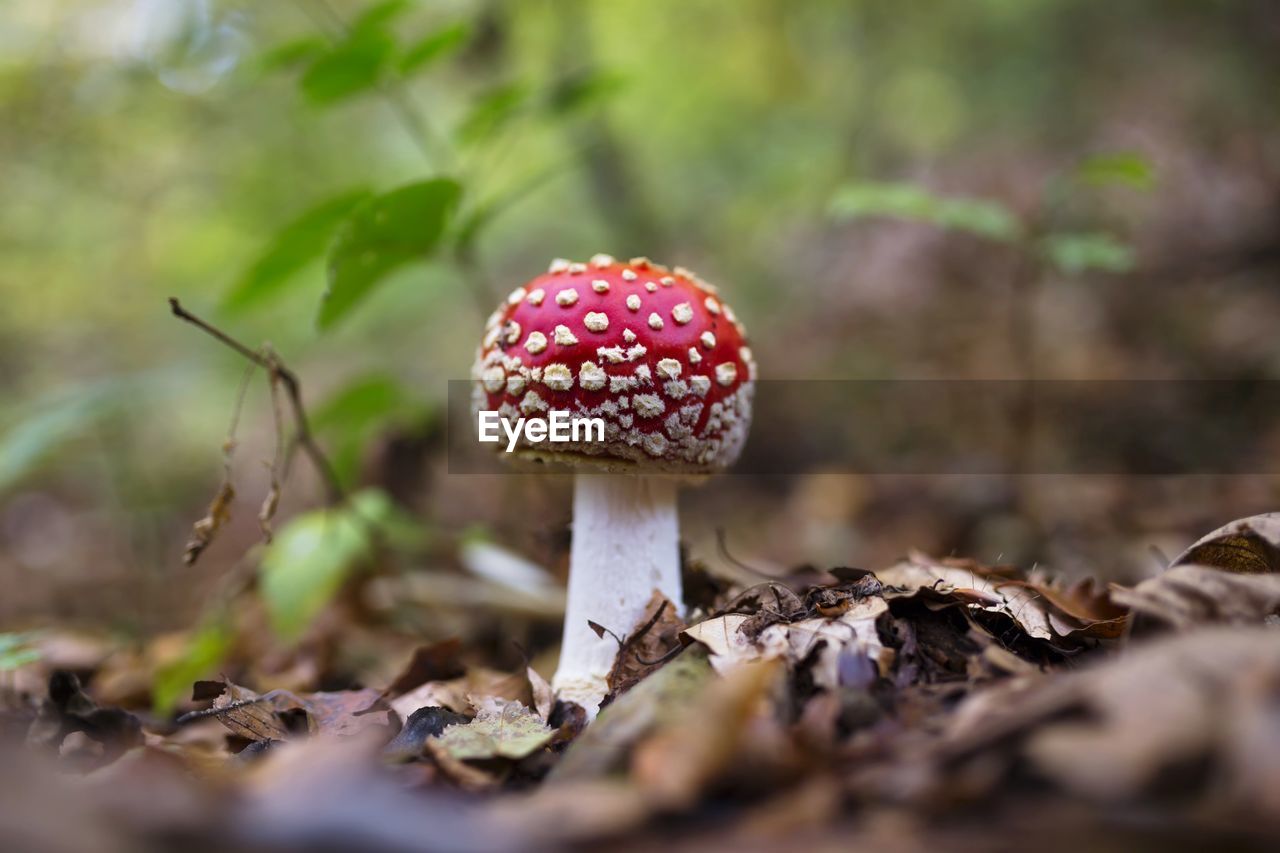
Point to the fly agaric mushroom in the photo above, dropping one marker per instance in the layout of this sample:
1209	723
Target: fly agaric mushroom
656	355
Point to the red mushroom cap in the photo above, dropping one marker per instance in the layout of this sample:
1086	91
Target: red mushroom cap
652	351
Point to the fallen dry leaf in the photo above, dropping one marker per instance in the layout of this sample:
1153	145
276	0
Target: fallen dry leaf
436	662
679	761
500	730
1189	595
1107	733
544	698
665	697
70	722
1246	546
422	725
456	694
1035	610
819	642
647	646
281	714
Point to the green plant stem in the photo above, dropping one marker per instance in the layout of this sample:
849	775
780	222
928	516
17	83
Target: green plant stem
434	149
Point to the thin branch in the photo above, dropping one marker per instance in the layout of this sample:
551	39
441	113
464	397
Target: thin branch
293	387
271	502
722	545
192	716
219	511
419	130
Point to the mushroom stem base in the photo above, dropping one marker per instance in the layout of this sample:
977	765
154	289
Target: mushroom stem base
625	546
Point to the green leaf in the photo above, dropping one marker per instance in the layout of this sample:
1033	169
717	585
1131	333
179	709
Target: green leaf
301	241
35	431
579	91
434	47
377	16
905	201
16	652
382	235
1087	252
369	398
1120	168
354	65
492	111
397	528
32	432
204	651
292	53
32	439
306	564
355	413
479	216
499	731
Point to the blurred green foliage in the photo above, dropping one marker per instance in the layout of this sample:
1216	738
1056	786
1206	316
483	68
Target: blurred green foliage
16	651
311	557
298	243
207	647
353	415
904	201
1069	252
383	172
382	234
1084	252
1125	168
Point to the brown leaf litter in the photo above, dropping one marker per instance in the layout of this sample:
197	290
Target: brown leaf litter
932	696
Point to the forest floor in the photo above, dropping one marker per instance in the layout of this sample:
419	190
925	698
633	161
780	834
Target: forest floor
933	703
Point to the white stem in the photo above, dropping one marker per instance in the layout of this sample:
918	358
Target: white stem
625	545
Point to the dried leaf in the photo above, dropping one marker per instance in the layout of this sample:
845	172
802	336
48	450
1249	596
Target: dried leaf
1112	731
557	815
422	725
436	662
244	712
647	646
1245	546
446	694
204	530
663	698
851	634
826	644
344	712
102	734
1189	595
1033	607
267	717
500	730
724	637
544	698
678	763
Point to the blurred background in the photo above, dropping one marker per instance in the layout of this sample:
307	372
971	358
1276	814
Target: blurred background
994	189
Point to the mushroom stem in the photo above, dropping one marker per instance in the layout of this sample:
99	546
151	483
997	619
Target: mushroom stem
625	546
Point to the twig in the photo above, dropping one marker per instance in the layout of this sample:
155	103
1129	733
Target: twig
219	512
722	545
271	501
192	716
293	387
